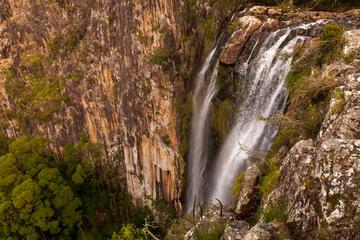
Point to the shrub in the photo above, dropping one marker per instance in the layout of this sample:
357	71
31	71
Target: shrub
213	231
166	58
129	232
271	176
331	42
236	187
179	227
339	101
184	110
275	211
220	118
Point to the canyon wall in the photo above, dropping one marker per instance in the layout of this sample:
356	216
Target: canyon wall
104	72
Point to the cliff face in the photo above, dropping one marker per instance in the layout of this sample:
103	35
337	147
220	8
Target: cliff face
320	177
95	57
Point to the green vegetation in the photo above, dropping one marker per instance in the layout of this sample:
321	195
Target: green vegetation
309	91
220	118
36	201
75	197
184	110
236	187
179	227
65	44
331	43
277	212
339	101
212	231
166	58
349	58
129	232
35	94
209	27
270	168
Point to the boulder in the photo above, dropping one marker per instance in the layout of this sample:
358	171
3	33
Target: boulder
258	232
240	37
236	230
247	196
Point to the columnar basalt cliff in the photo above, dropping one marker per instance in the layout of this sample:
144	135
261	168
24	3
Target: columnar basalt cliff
99	54
272	117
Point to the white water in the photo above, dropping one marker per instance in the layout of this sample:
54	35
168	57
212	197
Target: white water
264	94
203	94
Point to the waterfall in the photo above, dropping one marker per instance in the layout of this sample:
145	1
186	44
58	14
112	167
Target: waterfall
205	90
263	95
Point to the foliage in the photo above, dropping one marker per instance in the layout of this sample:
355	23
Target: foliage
166	58
270	167
129	232
309	91
213	231
236	187
220	118
179	227
339	101
276	211
331	43
35	198
209	29
35	94
63	44
184	110
66	199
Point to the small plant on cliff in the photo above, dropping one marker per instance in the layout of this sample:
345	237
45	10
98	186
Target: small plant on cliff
276	211
220	118
236	187
339	101
166	58
212	231
331	42
270	167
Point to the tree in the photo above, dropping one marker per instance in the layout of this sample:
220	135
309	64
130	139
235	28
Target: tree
35	200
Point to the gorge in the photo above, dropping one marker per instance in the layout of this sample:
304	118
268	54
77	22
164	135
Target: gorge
172	119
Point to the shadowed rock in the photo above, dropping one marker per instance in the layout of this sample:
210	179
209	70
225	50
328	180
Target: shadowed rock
247	196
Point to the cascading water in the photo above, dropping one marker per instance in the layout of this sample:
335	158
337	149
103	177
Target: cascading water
263	94
203	94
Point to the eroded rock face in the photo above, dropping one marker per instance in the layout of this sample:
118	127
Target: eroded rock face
258	232
320	178
240	37
116	95
247	197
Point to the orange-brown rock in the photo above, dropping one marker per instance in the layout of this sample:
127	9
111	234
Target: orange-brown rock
240	37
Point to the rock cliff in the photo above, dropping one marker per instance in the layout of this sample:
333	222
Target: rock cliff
319	178
100	68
